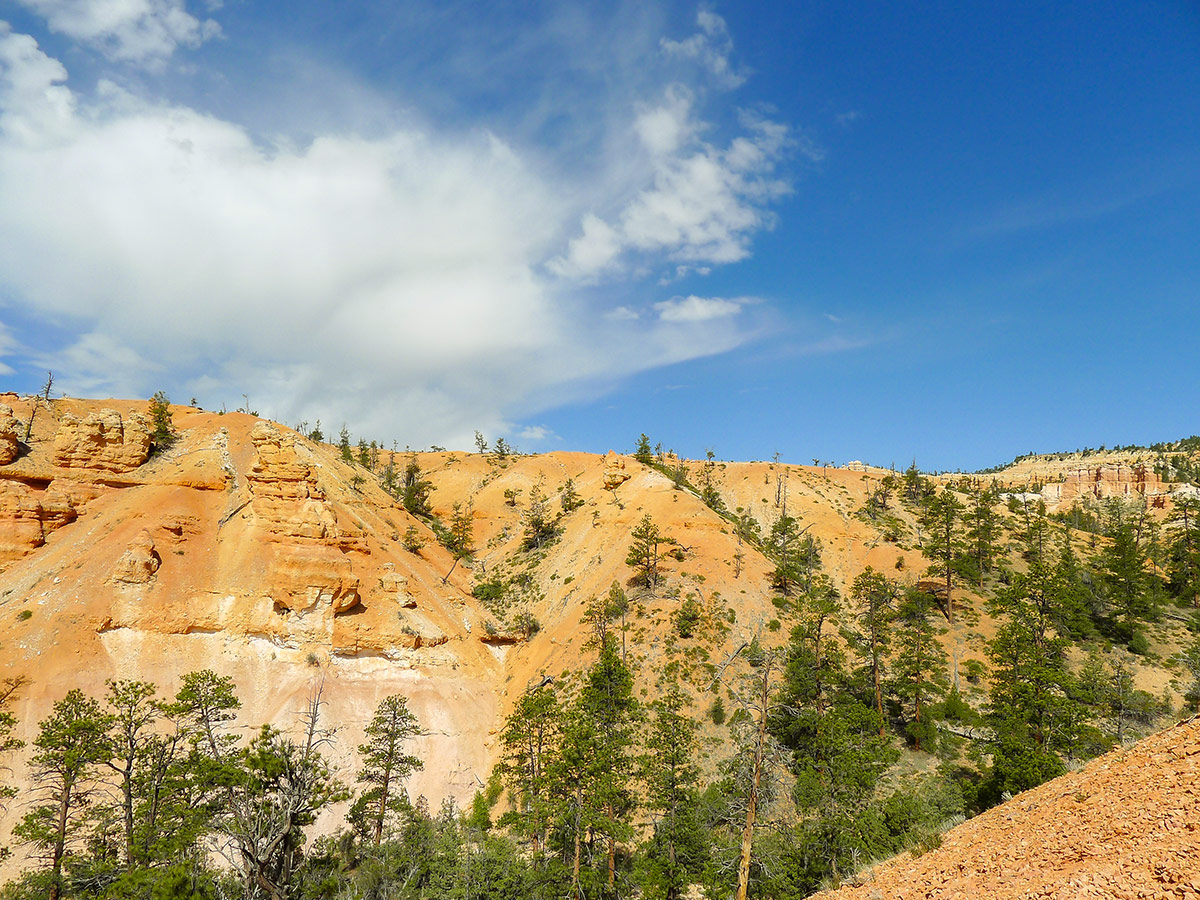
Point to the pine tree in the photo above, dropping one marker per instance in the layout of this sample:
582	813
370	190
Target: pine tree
415	489
606	698
642	453
283	785
134	714
530	742
709	494
875	597
162	429
1031	708
385	764
1183	567
983	531
344	446
8	743
669	771
540	526
1128	587
797	556
458	538
569	497
918	668
943	545
72	745
645	551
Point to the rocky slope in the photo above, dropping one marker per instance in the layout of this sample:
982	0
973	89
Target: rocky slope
1127	825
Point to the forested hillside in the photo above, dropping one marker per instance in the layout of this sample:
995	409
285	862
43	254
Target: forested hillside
243	661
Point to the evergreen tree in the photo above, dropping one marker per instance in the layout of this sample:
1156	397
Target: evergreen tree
282	785
708	488
875	597
943	545
677	849
983	531
8	742
540	526
458	538
415	489
569	498
1128	587
162	429
918	668
642	453
530	742
1031	707
133	717
71	745
606	698
1183	567
645	551
385	764
797	556
344	446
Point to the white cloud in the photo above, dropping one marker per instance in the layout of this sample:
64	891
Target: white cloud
396	283
704	203
535	433
697	309
710	47
622	314
135	31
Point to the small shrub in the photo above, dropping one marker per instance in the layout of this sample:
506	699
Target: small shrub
687	618
716	712
25	615
412	540
1139	644
313	660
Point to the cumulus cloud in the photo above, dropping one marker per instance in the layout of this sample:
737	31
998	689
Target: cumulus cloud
697	309
134	31
704	203
397	282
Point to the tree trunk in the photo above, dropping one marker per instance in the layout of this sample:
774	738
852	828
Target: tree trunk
60	842
743	887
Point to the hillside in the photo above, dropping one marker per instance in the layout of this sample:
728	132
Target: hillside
262	554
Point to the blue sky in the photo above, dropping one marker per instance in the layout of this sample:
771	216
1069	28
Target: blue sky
953	232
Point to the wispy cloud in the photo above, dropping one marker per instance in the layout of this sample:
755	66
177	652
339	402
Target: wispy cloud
698	309
711	46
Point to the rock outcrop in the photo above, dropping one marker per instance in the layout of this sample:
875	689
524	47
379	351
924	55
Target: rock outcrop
10	444
28	515
102	441
614	471
139	564
287	496
307	578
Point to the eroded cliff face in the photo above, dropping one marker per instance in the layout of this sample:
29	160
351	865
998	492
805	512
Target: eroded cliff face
1105	481
244	549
